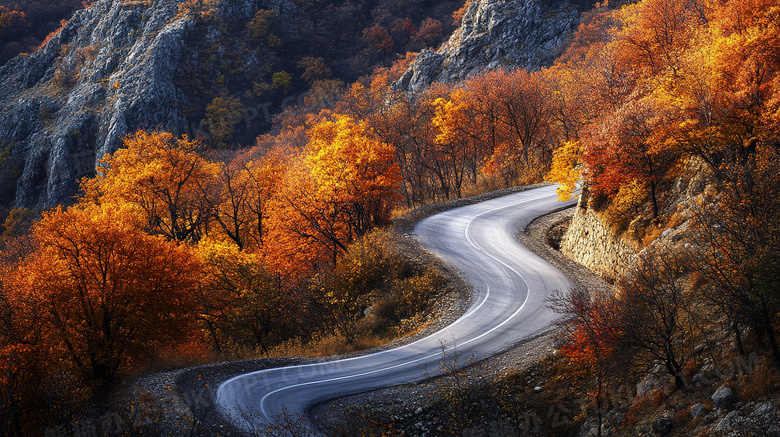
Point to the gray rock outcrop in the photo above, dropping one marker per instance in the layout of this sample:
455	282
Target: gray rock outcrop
663	425
698	410
497	34
110	71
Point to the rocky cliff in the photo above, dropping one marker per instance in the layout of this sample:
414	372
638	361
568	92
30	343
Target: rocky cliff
496	34
108	70
111	70
593	240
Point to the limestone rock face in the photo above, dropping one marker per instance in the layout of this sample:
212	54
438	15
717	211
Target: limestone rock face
109	72
498	34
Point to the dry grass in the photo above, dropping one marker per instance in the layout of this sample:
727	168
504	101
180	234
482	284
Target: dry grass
325	346
760	383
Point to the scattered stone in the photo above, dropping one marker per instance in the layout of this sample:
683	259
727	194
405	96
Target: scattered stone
419	410
663	425
724	398
538	388
698	410
657	379
589	428
615	417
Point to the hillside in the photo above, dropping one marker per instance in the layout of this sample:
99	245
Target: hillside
25	24
215	69
260	165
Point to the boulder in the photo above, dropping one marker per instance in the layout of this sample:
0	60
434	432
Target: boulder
724	398
698	410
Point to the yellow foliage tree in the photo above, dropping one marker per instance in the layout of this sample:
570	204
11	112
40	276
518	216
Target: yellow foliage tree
566	169
162	179
345	183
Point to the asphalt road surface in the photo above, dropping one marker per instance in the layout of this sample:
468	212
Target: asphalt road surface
510	286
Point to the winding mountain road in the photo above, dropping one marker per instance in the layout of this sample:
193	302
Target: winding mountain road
510	286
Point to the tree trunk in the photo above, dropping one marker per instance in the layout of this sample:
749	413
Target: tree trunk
738	337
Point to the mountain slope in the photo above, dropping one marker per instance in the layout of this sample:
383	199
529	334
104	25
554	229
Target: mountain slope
212	67
498	34
109	71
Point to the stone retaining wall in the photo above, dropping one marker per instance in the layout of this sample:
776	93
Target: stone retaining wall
591	242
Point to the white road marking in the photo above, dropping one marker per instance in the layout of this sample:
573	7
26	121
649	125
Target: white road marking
468	313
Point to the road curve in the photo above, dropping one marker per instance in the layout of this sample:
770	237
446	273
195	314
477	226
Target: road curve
510	286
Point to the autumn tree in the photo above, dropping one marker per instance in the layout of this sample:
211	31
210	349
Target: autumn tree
22	359
628	149
343	293
356	168
655	312
499	121
457	16
589	339
240	193
456	146
260	26
650	319
314	69
431	169
344	184
108	295
10	19
657	32
240	303
738	246
408	125
163	180
566	169
222	115
26	25
282	81
429	33
404	120
379	38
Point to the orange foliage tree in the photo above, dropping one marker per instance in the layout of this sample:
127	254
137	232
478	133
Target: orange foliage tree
589	339
628	148
345	183
107	295
162	178
240	193
500	121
